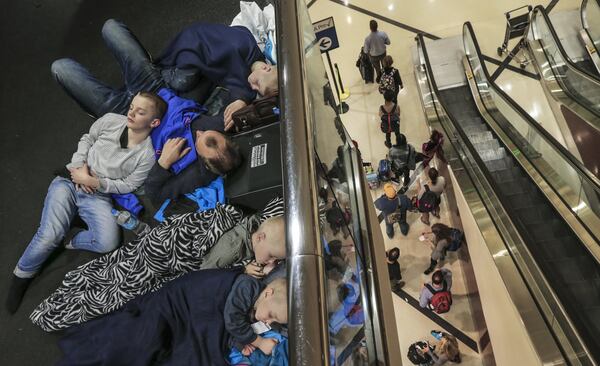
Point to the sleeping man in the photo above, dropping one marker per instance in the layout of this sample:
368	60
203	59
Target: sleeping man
194	320
216	238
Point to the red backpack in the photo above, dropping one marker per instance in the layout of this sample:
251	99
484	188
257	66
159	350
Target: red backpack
441	300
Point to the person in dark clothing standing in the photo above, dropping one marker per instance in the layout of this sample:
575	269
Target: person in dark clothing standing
390	78
375	47
389	113
403	159
393	206
394	268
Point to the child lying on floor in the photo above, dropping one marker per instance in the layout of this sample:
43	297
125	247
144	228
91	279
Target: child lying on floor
182	323
217	238
250	300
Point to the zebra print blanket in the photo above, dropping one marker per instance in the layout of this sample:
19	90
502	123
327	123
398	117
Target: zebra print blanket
174	248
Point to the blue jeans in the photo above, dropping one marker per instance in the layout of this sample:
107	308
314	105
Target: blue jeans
97	98
62	203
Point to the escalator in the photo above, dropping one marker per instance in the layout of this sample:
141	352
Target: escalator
563	73
590	34
522	163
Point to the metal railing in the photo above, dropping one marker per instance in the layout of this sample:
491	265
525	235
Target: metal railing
319	160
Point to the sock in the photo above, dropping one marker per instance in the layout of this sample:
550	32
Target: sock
17	289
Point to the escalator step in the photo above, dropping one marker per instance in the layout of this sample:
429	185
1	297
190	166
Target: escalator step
536	214
549	230
560	248
517	186
486	145
587	293
575	269
496	154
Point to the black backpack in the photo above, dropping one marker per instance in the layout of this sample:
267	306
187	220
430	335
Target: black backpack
389	121
416	356
428	201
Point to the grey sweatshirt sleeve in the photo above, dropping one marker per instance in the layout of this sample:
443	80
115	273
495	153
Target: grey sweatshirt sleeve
85	143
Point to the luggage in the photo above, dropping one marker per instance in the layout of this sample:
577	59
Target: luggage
416	356
260	112
384	172
373	180
441	300
428	201
457	239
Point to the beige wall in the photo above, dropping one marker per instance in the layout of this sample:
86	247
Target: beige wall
509	339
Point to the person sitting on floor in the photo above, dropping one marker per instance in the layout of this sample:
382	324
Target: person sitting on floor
215	238
445	350
114	157
441	240
441	283
182	323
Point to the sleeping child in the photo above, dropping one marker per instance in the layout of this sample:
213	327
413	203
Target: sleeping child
216	238
182	323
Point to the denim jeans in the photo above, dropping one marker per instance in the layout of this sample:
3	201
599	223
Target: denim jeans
62	203
94	96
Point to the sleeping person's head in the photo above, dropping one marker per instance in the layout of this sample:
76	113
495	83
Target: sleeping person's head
219	153
271	305
145	111
263	78
268	241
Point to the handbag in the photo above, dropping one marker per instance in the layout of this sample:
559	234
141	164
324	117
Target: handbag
260	112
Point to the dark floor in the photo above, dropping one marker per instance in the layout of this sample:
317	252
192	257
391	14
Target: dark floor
41	126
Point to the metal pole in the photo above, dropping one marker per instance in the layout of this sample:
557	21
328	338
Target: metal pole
307	305
337	91
337	70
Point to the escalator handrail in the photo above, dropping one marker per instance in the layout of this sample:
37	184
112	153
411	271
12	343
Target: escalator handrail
566	154
496	188
584	22
541	10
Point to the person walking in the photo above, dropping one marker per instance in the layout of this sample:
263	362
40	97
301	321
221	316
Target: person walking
390	78
375	47
389	113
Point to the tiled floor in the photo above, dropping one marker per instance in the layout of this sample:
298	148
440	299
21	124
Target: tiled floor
443	19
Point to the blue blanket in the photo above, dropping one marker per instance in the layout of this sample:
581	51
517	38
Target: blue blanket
180	324
279	357
206	198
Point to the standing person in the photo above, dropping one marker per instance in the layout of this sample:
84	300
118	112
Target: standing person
389	113
114	157
375	47
394	208
390	78
442	238
435	184
392	257
403	159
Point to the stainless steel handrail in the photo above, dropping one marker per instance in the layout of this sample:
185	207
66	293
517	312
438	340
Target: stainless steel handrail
541	10
309	339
